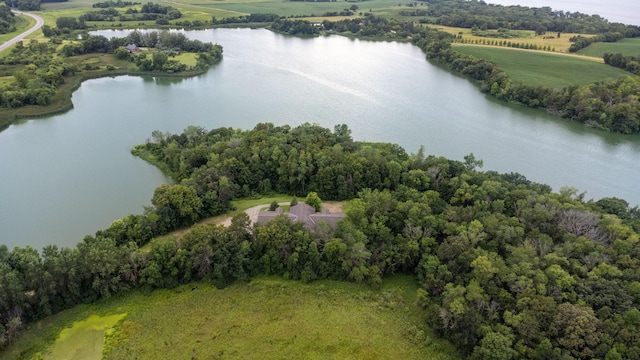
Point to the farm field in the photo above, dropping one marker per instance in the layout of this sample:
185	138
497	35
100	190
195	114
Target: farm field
538	68
560	44
75	8
267	318
627	47
198	10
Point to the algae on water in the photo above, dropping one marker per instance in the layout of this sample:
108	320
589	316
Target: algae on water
84	340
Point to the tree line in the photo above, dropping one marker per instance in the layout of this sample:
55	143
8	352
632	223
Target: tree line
7	20
149	11
628	63
580	42
609	105
469	14
114	4
28	4
507	268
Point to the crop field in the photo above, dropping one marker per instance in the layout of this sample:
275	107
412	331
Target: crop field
268	318
627	47
539	68
204	10
560	44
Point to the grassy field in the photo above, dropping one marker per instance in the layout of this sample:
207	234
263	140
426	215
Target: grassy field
560	44
199	10
544	69
268	318
628	47
290	8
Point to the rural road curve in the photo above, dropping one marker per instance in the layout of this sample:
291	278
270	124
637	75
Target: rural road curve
39	23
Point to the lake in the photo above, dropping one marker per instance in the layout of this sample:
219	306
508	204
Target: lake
69	175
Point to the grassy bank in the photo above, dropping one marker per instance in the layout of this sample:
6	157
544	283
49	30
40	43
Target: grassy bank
267	318
544	69
627	47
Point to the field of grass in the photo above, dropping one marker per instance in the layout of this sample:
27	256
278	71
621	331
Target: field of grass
296	8
560	44
268	318
204	11
544	69
628	47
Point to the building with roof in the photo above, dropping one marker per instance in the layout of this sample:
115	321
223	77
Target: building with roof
305	214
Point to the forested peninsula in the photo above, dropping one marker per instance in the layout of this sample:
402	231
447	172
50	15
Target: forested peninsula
45	74
507	268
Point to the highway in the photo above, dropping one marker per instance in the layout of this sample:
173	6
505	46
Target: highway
39	23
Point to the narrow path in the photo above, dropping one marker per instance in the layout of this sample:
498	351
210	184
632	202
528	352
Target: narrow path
39	23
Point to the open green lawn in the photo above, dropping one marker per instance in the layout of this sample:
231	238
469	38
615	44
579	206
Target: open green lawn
268	318
544	69
628	47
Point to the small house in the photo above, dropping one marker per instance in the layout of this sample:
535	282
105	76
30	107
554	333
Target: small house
132	48
305	214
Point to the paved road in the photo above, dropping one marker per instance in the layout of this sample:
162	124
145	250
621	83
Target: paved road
39	23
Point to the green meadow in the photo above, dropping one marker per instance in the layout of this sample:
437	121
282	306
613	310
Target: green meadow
544	69
267	318
198	10
296	8
628	47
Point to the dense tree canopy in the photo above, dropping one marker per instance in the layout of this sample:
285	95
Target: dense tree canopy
7	20
468	14
506	268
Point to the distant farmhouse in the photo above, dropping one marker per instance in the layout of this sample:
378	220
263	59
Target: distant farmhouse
132	48
305	214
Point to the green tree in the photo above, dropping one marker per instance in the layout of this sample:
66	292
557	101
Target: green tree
575	328
495	346
313	200
159	58
177	205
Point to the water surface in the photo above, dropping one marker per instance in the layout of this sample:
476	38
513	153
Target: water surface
69	175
